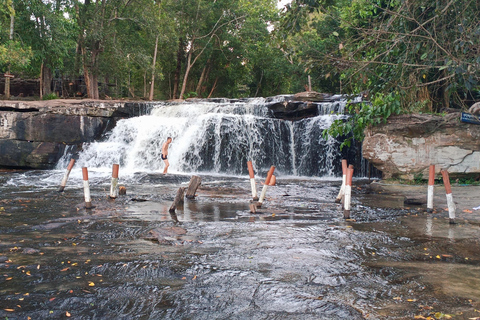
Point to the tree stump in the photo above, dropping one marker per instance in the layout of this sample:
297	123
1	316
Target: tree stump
193	186
178	201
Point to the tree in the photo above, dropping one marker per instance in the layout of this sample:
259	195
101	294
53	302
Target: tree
426	50
13	54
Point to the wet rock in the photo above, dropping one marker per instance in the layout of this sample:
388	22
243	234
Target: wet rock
165	235
310	96
34	134
406	145
30	251
3	259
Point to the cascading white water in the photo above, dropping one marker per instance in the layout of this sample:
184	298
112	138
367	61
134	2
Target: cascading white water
219	137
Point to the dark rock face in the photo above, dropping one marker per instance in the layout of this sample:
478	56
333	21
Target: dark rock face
34	135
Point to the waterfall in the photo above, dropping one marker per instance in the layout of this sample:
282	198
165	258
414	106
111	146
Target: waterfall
220	137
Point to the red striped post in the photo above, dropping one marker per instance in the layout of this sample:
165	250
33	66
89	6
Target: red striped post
65	177
265	186
448	190
431	187
344	178
252	180
273	180
86	189
348	193
113	186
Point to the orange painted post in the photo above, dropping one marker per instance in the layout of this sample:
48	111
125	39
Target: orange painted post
265	186
448	190
273	180
344	178
86	189
348	192
113	186
430	191
252	180
65	177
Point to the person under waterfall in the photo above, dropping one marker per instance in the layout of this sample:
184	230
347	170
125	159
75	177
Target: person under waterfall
164	154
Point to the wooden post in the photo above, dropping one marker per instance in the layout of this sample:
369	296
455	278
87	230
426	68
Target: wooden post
195	182
113	186
86	189
348	192
252	180
122	190
65	177
431	186
265	186
8	76
178	201
448	191
309	83
344	179
273	180
253	207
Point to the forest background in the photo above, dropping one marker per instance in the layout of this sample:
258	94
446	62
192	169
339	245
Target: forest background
417	55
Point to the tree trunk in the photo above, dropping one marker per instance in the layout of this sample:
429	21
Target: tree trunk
187	72
12	23
213	88
202	77
152	84
46	80
176	79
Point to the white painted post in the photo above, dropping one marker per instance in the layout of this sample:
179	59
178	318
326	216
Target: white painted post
448	189
431	187
344	179
348	193
65	177
252	180
86	189
113	187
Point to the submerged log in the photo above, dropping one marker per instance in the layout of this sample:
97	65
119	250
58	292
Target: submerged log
178	201
193	186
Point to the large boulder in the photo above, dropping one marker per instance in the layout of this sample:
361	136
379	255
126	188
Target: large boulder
34	134
407	145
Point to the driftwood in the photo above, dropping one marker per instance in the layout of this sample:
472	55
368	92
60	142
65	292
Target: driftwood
193	186
178	201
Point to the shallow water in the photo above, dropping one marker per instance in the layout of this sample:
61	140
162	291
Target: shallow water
295	259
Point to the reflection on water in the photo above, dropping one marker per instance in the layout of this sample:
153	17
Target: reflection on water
296	259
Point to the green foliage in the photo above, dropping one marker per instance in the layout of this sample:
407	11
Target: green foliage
363	115
425	49
50	96
15	55
418	178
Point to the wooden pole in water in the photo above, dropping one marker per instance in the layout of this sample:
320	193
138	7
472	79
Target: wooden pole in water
178	201
265	186
195	182
86	189
252	180
65	177
431	187
348	192
344	179
273	180
113	186
448	190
